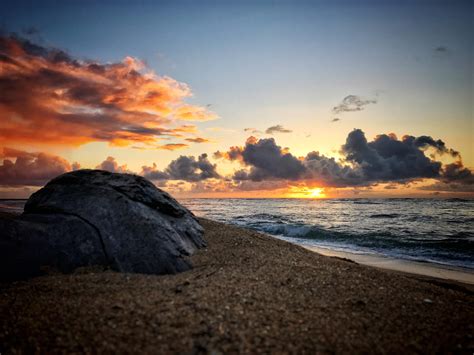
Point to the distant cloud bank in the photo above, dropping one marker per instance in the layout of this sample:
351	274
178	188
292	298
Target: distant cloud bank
266	165
385	159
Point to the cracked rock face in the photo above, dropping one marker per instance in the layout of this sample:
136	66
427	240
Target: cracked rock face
93	217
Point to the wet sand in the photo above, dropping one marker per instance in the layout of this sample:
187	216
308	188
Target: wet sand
448	273
247	293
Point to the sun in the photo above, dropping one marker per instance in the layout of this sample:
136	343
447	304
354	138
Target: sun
306	192
316	193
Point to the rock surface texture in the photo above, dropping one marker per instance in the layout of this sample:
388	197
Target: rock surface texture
94	217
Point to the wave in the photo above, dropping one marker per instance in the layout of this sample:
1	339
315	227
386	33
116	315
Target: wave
460	220
385	215
421	218
261	216
462	235
457	199
356	202
455	249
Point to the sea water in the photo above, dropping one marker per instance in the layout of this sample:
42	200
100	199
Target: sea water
429	230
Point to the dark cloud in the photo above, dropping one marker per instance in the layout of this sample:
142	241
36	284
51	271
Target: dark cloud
197	140
352	103
185	168
388	159
152	173
329	172
21	168
458	174
277	129
335	119
425	142
384	159
266	161
441	49
234	153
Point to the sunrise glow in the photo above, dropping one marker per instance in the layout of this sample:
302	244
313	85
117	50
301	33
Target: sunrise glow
305	192
317	193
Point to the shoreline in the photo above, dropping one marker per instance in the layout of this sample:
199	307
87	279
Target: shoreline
427	269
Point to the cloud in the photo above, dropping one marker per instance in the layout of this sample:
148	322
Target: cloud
31	31
328	172
173	146
264	165
194	113
49	97
454	178
265	159
234	153
277	129
152	173
384	159
352	103
458	174
441	49
448	187
22	168
111	165
388	159
185	168
252	130
198	140
335	119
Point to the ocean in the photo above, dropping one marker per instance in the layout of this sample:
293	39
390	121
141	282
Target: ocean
439	231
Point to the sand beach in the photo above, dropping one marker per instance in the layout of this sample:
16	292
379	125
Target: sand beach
247	293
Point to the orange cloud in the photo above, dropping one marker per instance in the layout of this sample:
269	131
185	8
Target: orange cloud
173	146
198	140
194	113
48	97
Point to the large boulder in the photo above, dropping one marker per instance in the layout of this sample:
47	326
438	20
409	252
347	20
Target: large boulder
94	217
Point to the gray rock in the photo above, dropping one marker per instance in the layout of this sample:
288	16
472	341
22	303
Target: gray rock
93	217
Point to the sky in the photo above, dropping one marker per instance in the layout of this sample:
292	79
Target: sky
241	99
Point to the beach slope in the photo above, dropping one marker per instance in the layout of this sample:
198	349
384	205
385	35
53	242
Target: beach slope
247	293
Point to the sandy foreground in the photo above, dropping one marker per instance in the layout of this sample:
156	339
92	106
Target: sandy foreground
247	293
